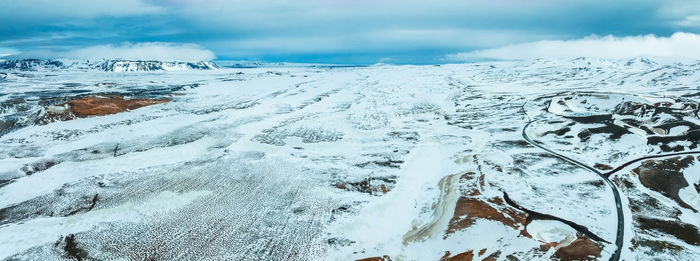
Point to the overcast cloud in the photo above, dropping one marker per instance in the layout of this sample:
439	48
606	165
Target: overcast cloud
679	46
350	31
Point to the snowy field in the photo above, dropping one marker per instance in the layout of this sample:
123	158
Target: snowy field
486	161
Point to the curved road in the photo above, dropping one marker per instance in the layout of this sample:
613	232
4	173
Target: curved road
605	176
626	164
618	205
619	240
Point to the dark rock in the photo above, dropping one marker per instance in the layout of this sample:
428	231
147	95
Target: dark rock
665	176
73	251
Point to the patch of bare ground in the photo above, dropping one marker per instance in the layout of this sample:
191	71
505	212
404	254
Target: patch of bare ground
99	106
471	205
583	248
95	106
371	185
666	177
468	210
469	255
685	232
650	216
466	256
376	258
602	166
71	248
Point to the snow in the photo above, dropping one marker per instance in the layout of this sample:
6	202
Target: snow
548	231
19	237
262	154
51	179
383	222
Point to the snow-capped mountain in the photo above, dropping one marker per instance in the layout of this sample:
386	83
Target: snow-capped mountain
30	64
107	65
242	64
147	66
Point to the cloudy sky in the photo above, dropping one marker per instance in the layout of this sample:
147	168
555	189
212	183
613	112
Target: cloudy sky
349	31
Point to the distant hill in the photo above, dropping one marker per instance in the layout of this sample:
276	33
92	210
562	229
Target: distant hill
105	65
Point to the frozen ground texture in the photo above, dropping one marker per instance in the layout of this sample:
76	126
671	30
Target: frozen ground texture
392	162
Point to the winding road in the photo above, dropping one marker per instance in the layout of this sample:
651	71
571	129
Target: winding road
626	164
619	239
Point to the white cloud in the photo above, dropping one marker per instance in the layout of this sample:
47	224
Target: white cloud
131	51
690	21
678	45
7	52
683	12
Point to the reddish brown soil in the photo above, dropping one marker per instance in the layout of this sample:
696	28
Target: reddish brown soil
376	258
581	249
472	206
99	106
466	256
470	209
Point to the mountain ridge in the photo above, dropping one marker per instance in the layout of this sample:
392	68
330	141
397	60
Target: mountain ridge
107	65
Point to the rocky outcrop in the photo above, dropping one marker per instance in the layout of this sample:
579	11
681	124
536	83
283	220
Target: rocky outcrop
371	185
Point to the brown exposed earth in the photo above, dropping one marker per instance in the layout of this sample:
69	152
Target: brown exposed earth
602	166
472	206
652	218
470	209
582	248
99	106
685	232
492	257
95	106
665	176
466	256
469	256
376	258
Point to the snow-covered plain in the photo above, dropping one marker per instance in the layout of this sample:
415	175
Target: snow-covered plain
315	163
